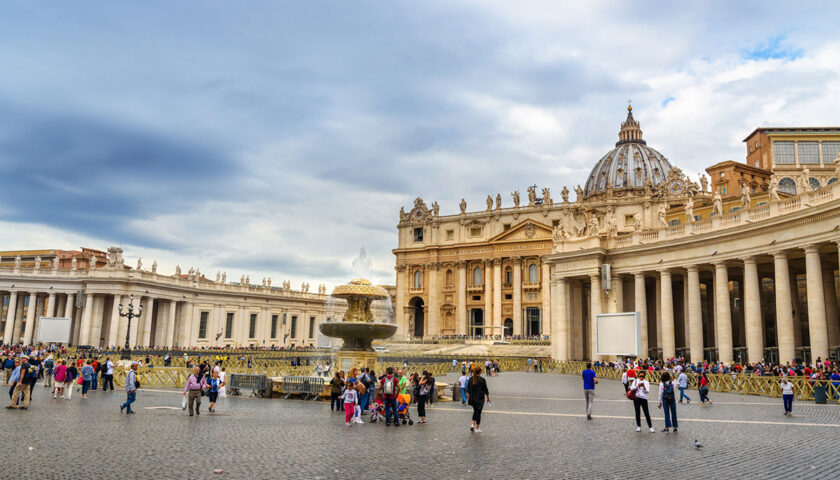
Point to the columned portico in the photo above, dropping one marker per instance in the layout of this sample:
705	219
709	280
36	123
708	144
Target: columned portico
594	310
461	317
784	308
817	327
517	296
667	299
640	302
752	311
695	318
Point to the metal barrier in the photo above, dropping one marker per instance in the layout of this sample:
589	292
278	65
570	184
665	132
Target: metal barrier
258	384
311	387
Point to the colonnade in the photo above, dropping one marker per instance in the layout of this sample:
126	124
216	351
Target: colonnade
752	306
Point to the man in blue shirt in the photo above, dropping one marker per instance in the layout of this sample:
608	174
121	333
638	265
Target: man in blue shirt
589	381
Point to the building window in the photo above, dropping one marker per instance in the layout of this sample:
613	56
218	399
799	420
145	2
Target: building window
783	152
311	327
722	174
476	298
508	276
759	204
284	319
533	273
830	150
505	227
831	180
814	183
809	152
629	220
252	327
450	279
229	325
418	279
477	276
674	222
294	326
475	231
697	218
508	296
274	326
787	185
450	235
202	325
734	209
418	234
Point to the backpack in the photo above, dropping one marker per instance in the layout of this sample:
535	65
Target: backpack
668	393
388	386
48	363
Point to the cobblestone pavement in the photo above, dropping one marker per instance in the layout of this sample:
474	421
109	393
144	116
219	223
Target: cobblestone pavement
535	429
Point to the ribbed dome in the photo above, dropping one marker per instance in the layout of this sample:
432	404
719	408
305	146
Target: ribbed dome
629	164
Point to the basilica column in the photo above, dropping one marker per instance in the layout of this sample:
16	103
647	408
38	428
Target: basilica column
434	303
559	320
399	306
30	319
594	310
50	305
817	326
617	294
831	307
497	295
723	314
667	298
545	291
116	336
8	332
517	296
486	273
462	300
170	324
784	308
87	318
69	305
148	312
695	315
640	305
752	311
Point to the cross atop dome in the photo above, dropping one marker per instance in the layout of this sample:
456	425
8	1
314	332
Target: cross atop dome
630	129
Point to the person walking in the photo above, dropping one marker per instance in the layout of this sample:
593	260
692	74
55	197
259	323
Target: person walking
108	375
87	377
640	389
682	380
351	399
14	378
196	383
336	384
787	395
72	375
94	377
213	385
49	365
131	385
668	400
60	376
390	389
423	396
27	376
476	393
430	380
704	390
589	381
462	382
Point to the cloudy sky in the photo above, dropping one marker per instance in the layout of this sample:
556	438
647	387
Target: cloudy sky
276	138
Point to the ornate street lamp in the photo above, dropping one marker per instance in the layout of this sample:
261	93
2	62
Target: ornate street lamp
126	352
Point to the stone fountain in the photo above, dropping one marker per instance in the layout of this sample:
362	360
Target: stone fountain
358	328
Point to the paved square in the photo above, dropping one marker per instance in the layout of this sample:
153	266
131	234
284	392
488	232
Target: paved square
535	429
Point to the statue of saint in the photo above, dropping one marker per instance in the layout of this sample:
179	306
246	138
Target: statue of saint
154	266
745	195
564	194
37	263
637	223
579	194
661	217
593	224
489	203
463	206
139	264
268	282
92	262
498	201
224	277
73	264
689	210
773	189
55	263
704	183
218	276
515	196
532	196
177	270
435	209
403	215
547	196
717	204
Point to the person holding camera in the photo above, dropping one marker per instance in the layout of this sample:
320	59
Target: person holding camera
640	389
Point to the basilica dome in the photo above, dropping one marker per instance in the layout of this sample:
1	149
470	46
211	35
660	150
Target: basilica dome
629	165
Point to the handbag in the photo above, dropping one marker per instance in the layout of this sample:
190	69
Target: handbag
631	395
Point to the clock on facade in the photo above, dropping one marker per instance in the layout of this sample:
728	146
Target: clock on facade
676	187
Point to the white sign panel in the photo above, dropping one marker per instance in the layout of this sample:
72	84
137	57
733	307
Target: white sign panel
54	330
618	334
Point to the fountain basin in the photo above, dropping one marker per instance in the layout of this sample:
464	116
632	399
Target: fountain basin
357	336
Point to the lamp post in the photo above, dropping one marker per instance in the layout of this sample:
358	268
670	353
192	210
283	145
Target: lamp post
129	314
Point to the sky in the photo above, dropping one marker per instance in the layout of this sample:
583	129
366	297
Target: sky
275	139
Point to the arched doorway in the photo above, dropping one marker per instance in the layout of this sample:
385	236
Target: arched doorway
508	327
477	321
419	320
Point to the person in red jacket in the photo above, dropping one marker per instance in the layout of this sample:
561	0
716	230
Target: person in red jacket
389	387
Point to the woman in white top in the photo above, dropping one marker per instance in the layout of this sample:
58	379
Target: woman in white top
641	388
222	391
787	395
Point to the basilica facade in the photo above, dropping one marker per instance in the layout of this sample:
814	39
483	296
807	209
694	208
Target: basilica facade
735	266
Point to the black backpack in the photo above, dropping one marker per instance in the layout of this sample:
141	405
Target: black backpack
668	392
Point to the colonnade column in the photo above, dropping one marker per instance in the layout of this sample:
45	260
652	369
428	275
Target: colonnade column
617	289
116	323
752	311
148	312
488	294
30	319
8	332
723	314
497	296
695	315
817	326
433	327
831	307
461	316
666	295
87	318
784	308
640	305
170	323
50	312
517	296
594	310
545	291
559	320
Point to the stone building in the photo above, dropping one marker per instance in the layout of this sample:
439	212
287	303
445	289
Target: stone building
181	309
722	277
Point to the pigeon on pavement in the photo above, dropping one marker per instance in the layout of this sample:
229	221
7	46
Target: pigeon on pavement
697	444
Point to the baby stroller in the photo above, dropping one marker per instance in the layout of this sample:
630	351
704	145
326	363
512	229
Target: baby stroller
403	412
377	411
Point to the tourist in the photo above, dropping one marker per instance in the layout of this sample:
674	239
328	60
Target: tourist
8	368
667	398
49	365
402	383
389	387
787	395
371	393
131	385
704	389
589	381
60	377
476	393
682	379
196	383
336	387
72	375
423	396
94	377
487	366
87	376
430	379
462	382
213	387
640	389
223	379
27	375
365	381
108	375
14	378
350	400
361	392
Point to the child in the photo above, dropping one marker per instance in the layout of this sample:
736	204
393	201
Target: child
351	399
357	416
378	409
